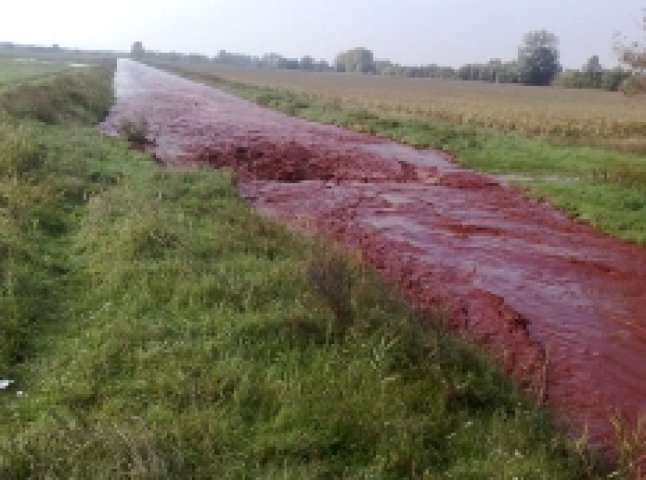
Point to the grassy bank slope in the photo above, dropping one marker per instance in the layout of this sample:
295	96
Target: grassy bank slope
156	328
604	187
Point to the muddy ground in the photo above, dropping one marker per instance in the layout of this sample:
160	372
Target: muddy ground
561	306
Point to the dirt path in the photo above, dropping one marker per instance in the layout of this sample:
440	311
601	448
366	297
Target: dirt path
561	306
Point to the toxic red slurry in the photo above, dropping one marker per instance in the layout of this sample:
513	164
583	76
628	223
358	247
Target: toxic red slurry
561	306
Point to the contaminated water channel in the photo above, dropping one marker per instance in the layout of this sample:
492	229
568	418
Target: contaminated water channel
561	306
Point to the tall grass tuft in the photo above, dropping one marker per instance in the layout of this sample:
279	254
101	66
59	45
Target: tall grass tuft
631	446
622	175
330	277
136	130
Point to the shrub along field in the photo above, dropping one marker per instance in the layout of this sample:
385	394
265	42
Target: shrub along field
604	186
155	327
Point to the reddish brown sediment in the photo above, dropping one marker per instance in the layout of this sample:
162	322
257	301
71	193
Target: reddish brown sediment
561	306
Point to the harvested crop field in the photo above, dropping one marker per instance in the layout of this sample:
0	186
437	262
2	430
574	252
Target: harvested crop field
557	303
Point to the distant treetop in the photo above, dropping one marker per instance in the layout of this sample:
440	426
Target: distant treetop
137	50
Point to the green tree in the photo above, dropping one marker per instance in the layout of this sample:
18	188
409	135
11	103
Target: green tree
137	50
306	63
538	58
360	60
570	79
633	57
614	79
593	72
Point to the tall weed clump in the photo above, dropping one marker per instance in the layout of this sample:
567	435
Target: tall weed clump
136	130
330	276
622	175
631	446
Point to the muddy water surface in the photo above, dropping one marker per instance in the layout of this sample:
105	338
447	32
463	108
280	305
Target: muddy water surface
561	306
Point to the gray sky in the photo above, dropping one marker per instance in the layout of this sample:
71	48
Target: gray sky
447	32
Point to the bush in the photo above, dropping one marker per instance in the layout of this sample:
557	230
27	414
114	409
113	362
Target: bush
329	275
135	130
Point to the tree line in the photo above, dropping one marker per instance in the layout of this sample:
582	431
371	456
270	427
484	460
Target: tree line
268	60
55	51
537	63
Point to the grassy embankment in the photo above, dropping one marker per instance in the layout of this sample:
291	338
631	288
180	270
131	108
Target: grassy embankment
603	186
156	328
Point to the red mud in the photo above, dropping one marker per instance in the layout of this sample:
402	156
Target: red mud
561	306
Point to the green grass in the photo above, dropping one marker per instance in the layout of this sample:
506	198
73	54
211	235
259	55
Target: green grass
69	96
157	328
604	187
13	72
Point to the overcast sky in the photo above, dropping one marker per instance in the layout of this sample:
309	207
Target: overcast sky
447	32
